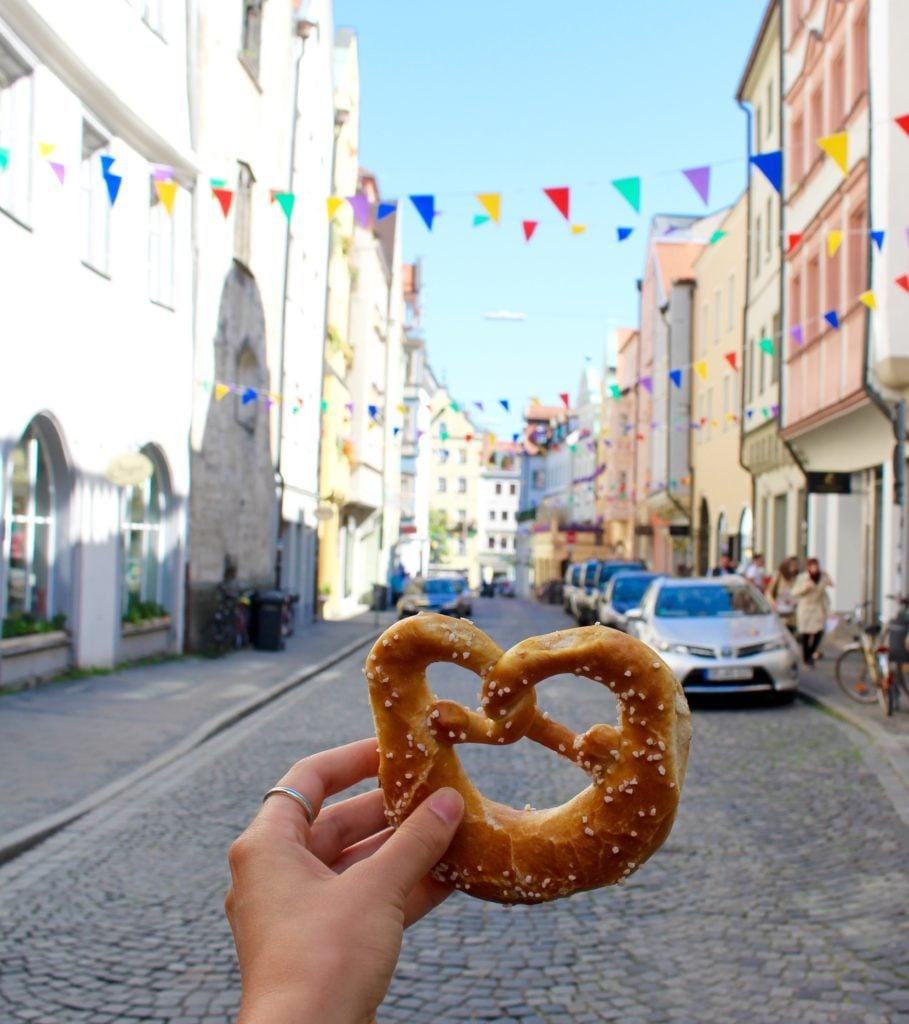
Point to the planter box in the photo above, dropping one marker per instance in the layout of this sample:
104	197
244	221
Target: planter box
145	639
27	660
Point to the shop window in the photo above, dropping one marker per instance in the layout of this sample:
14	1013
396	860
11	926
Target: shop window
160	251
16	103
143	517
95	212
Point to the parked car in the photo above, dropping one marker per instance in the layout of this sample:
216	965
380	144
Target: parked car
718	635
622	593
596	575
570	585
448	595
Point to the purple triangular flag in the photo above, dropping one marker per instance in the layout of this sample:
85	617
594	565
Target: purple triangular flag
647	384
360	204
162	172
700	181
479	405
832	319
426	208
59	170
676	377
798	334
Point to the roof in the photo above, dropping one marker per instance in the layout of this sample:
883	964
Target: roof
756	47
676	260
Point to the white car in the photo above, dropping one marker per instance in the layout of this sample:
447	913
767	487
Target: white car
718	635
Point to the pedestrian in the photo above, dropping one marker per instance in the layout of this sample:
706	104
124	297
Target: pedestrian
755	572
319	899
810	590
725	568
780	591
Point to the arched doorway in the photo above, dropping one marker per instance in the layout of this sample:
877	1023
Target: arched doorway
147	576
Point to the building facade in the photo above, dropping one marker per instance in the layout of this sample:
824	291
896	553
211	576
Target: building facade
498	501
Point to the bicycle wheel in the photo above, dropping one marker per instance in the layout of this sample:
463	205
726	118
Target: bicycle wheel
854	678
886	695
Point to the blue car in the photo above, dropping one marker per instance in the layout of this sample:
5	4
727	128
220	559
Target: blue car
623	592
447	596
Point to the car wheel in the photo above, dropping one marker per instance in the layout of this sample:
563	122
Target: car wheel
783	697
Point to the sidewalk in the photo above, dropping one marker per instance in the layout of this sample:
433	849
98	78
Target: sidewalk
67	746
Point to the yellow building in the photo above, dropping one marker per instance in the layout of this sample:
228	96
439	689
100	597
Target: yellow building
721	490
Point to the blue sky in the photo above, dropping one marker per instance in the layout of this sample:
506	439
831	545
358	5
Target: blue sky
513	97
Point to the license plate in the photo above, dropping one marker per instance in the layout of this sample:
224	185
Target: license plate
725	674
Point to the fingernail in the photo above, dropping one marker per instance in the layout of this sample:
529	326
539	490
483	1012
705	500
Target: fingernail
447	804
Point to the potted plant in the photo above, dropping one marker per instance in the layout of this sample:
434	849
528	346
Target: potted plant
145	631
33	649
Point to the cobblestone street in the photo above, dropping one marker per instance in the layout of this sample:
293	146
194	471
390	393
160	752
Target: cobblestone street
780	895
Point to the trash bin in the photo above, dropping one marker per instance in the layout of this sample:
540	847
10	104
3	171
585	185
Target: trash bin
899	630
379	597
267	620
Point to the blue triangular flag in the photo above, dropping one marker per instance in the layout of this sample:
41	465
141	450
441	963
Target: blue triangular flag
832	319
106	162
426	208
676	377
385	210
396	431
623	233
515	437
504	403
249	395
878	238
373	411
771	166
113	182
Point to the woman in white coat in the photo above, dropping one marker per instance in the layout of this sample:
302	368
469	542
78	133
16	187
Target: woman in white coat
811	591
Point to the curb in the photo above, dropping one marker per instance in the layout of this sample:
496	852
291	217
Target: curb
28	836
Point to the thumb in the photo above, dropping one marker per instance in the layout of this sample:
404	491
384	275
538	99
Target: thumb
418	845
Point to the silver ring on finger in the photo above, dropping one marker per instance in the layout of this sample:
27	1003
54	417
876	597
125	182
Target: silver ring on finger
301	800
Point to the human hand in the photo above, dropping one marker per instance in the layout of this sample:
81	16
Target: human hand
318	912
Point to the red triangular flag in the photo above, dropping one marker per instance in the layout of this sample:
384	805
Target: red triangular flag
903	282
561	198
794	240
731	359
565	399
903	122
224	197
529	227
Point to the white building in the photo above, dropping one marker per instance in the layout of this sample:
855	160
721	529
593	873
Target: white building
584	449
96	210
498	501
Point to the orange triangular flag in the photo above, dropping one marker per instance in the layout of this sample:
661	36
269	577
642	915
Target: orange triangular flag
491	203
868	298
837	148
220	391
834	241
166	190
333	203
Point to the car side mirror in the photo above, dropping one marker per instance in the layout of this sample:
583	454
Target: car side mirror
634	613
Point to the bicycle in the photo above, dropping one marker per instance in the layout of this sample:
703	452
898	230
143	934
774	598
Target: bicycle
228	628
862	667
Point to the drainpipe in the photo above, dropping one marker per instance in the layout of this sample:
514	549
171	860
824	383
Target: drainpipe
633	497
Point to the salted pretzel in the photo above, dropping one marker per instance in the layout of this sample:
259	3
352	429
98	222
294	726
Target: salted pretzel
636	768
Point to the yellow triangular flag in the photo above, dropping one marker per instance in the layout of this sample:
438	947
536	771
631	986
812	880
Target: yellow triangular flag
868	299
220	391
700	368
46	148
402	409
334	203
166	190
837	148
491	203
578	229
834	241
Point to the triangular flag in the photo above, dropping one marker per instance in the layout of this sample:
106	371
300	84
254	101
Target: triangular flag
566	399
797	333
162	172
225	197
217	183
623	233
386	210
615	391
832	319
868	299
771	166
113	182
717	236
491	203
454	406
561	199
402	409
630	190
878	238
766	345
700	368
360	205
700	181
834	241
837	148
426	208
107	161
395	431
333	204
647	384
286	201
676	377
59	170
479	405
903	122
220	391
46	148
166	191
249	395
903	282
480	218
373	411
578	229
4	158
468	437
732	359
505	405
529	227
794	239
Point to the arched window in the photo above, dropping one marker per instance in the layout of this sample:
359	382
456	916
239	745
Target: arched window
144	517
30	529
722	539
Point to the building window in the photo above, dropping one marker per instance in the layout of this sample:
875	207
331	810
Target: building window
462	485
441	485
717	305
16	102
769	108
757	246
795	300
838	91
250	51
539	479
797	150
512	488
462	515
442	455
95	200
730	303
857	253
727	405
859	56
31	529
242	208
246	376
492	514
816	112
769	233
777	349
491	543
503	543
504	514
812	310
832	283
498	488
143	543
462	456
462	546
160	251
705	326
758	121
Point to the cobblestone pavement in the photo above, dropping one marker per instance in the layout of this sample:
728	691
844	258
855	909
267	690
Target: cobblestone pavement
779	897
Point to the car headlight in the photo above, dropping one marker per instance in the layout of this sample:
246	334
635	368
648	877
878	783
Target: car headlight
777	644
664	645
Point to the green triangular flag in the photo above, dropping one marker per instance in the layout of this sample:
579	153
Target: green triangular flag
218	182
630	190
716	236
767	346
286	201
480	218
4	158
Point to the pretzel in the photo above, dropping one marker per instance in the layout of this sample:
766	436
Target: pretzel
636	768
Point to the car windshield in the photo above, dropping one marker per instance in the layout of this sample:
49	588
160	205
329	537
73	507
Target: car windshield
590	573
720	600
440	587
609	571
630	589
